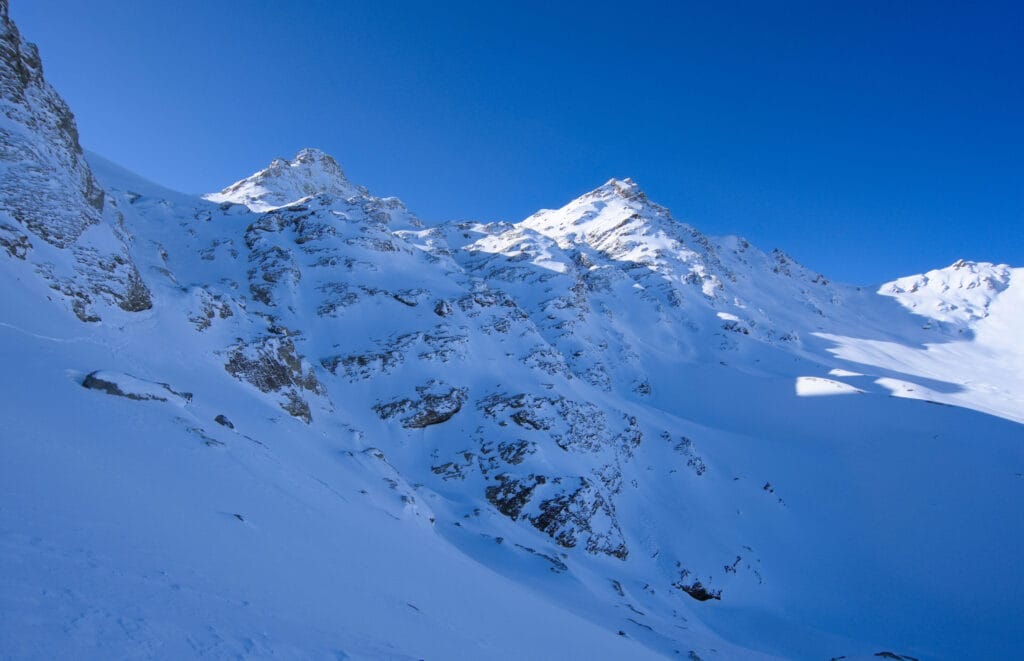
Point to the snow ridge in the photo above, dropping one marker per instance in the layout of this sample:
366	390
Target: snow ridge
284	182
290	408
961	293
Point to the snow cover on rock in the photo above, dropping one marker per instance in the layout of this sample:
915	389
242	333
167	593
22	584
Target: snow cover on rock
48	187
311	173
959	294
596	433
53	214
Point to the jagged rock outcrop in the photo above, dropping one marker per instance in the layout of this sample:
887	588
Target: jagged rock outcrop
47	186
311	173
47	191
435	402
271	364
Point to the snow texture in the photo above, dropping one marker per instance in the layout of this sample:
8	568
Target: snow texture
288	420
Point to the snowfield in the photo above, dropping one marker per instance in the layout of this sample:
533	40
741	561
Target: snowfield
289	420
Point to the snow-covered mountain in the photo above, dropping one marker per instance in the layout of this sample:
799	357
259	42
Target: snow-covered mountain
289	420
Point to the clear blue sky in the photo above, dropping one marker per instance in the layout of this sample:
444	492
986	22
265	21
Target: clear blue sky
869	141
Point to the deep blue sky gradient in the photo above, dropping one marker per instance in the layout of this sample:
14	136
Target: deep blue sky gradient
870	140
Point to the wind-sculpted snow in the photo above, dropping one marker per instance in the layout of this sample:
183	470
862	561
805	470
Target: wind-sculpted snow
595	433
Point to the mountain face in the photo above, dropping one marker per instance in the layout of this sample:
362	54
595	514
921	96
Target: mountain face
311	173
49	193
49	188
289	420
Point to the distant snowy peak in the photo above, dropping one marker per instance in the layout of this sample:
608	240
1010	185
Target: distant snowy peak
617	208
284	182
618	221
961	293
314	174
625	188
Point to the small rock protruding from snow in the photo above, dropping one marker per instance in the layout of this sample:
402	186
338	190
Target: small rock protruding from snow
130	387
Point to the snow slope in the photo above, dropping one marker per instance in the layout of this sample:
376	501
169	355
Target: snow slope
595	433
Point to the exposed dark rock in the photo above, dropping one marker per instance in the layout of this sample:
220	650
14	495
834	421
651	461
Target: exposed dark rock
434	405
222	419
455	470
686	448
735	326
136	296
207	440
557	566
373	243
570	515
271	364
699	592
297	407
101	381
14	241
511	495
48	190
337	296
576	426
514	452
33	112
695	588
94	382
410	297
526	418
210	306
442	308
363	366
439	344
547	360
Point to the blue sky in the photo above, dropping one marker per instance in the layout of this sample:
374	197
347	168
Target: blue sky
870	140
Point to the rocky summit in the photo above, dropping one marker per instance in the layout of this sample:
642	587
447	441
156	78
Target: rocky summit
290	420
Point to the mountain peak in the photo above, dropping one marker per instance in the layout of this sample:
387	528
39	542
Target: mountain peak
610	217
314	156
624	188
285	181
959	293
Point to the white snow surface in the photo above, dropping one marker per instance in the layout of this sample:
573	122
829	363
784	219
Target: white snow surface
310	173
355	535
286	181
595	433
